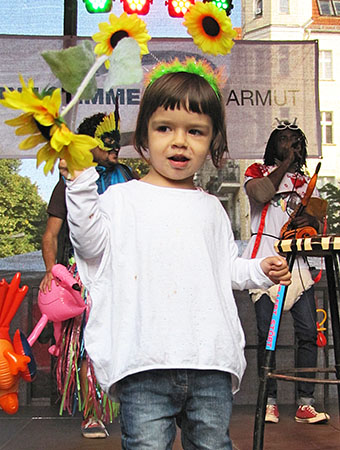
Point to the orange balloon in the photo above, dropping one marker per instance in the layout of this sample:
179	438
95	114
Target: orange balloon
12	363
9	403
7	378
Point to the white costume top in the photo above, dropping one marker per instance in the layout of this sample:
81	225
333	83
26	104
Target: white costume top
288	196
291	189
160	265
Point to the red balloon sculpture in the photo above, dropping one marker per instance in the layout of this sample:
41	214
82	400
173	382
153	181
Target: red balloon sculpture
62	302
16	359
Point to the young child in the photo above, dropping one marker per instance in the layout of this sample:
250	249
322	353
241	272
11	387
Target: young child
169	343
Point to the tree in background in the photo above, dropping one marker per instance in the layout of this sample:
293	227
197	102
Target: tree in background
332	194
22	211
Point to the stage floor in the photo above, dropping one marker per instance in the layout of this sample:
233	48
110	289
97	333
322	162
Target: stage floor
40	428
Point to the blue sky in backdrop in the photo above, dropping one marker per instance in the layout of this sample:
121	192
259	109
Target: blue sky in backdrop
45	17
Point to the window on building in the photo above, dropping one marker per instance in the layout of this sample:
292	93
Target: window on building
325	65
329	7
327	127
258	8
284	6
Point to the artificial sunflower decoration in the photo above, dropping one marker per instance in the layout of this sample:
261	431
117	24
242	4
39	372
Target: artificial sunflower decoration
42	122
74	148
43	108
210	28
118	28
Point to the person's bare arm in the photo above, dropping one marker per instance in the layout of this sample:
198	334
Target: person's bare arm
262	190
49	249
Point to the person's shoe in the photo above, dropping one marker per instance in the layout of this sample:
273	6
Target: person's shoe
92	428
307	414
272	414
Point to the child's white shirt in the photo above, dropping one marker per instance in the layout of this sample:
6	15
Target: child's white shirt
160	265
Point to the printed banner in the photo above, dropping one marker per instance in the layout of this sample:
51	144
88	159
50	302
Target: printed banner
265	80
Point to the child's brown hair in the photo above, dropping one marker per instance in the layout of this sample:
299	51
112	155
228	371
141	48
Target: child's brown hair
190	91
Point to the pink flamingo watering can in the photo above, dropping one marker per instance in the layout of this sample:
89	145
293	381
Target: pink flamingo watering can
62	302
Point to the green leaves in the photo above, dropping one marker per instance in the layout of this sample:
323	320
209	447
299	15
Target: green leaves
22	211
71	66
332	194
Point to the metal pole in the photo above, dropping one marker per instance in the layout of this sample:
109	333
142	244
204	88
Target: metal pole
332	272
268	364
70	17
70	30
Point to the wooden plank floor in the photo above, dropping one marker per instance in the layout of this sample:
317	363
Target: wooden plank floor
40	428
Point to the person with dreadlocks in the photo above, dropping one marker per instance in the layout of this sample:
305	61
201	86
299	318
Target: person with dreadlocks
274	190
56	248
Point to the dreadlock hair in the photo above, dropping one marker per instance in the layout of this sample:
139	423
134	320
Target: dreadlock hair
270	153
89	124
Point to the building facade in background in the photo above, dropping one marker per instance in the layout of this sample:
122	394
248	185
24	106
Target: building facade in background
290	20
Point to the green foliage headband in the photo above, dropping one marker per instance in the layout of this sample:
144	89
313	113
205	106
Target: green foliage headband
190	65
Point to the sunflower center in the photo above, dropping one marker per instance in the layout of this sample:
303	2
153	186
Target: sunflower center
211	26
118	36
44	130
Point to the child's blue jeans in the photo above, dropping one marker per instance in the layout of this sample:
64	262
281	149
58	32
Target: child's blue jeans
152	402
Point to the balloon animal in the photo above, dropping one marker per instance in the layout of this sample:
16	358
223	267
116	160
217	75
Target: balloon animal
16	359
62	302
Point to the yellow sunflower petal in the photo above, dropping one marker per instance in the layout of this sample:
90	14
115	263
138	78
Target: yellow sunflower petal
49	166
26	100
52	103
31	141
29	128
30	83
77	158
84	141
61	136
47	154
103	49
41	153
23	119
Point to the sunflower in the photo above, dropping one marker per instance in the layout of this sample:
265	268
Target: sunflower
210	28
44	107
74	148
118	28
42	122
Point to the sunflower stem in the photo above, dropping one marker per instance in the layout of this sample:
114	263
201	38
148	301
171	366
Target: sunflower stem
83	84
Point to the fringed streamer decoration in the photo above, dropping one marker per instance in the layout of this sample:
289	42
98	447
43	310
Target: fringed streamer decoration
72	354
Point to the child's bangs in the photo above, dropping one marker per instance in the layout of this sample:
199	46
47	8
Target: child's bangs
194	97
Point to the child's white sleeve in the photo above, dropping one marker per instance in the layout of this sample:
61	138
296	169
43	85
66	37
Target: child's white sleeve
247	274
88	231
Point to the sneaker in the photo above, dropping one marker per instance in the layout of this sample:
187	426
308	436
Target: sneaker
272	414
307	414
92	428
